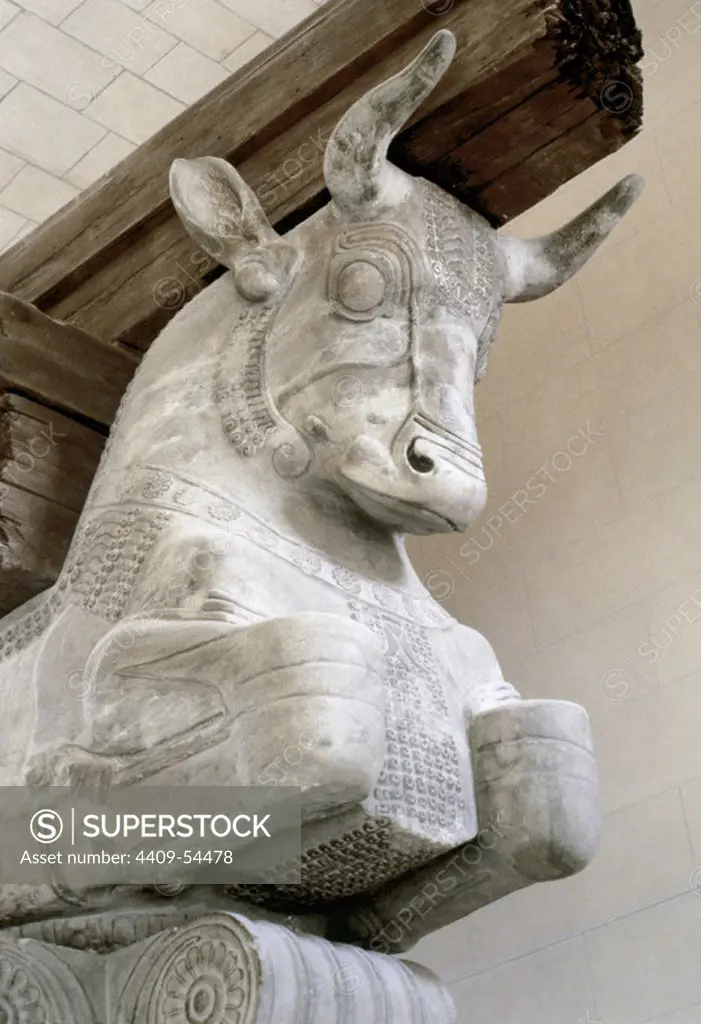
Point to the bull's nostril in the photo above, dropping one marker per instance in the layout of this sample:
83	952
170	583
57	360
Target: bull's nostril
419	463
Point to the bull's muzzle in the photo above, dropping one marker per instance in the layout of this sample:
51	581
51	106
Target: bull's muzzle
430	481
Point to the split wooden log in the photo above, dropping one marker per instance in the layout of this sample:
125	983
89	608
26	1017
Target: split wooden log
540	90
59	364
47	463
59	392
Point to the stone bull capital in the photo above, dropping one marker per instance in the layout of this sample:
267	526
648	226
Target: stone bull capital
238	581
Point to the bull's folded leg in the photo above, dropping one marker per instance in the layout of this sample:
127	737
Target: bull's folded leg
536	784
192	700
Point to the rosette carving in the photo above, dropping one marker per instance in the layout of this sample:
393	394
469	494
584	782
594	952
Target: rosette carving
38	988
205	973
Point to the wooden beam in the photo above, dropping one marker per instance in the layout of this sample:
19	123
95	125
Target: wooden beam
48	458
60	364
572	97
47	463
531	77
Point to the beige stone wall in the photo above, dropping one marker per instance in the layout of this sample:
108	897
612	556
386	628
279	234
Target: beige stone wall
84	82
585	574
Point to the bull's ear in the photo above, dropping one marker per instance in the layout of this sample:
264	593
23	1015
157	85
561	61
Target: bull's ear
535	267
224	217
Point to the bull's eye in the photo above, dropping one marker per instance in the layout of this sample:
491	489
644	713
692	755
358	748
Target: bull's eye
361	287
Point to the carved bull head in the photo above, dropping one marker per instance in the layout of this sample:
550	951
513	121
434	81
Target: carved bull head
385	304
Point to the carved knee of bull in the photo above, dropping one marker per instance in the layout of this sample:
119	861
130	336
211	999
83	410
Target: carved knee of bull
309	709
536	785
300	698
295	701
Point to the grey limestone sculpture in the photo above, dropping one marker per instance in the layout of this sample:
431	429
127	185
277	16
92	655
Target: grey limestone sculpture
238	588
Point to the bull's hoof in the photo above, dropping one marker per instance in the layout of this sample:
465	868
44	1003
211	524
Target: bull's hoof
535	769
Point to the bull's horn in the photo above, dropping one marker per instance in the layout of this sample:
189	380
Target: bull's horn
535	267
356	170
